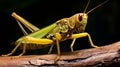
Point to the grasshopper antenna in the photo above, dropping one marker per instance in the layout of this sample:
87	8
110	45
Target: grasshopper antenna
97	6
86	6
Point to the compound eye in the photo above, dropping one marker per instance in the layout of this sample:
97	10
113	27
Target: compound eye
80	17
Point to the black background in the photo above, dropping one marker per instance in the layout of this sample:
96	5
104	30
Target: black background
103	23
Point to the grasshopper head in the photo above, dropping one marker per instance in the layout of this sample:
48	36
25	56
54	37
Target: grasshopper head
81	23
82	17
79	18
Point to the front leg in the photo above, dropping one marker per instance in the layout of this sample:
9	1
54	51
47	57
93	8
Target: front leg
80	35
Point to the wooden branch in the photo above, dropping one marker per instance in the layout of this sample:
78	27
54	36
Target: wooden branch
102	56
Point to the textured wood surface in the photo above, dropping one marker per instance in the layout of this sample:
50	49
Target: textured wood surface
108	55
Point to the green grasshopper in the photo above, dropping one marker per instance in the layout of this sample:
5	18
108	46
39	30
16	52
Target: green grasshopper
51	35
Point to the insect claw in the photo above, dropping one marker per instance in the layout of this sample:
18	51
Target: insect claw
94	46
72	49
21	54
57	58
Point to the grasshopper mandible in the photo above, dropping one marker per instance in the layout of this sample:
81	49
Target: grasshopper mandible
59	31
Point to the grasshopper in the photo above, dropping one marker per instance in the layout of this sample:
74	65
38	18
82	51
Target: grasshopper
64	29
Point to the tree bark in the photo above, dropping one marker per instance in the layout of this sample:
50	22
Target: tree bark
108	55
